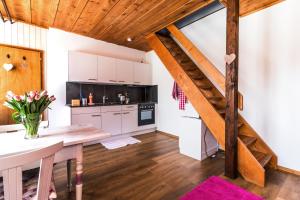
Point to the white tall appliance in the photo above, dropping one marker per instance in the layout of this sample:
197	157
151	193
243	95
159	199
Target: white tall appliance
195	140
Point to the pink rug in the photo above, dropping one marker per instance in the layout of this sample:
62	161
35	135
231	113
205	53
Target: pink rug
216	188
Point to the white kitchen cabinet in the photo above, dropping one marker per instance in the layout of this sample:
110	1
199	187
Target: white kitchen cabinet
142	74
124	71
93	119
107	69
112	122
129	121
82	67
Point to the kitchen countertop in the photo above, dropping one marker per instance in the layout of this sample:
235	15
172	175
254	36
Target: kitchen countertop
108	104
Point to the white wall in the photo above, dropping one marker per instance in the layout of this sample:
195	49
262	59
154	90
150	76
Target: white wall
59	43
269	71
169	116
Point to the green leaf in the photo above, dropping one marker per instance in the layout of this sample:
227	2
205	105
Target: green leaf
33	107
16	117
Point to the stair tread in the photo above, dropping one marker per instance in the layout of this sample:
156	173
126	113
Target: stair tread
215	98
221	111
248	140
261	157
205	87
240	124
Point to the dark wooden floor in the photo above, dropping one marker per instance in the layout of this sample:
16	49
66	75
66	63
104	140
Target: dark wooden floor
154	170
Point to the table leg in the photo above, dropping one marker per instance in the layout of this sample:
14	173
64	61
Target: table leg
79	171
69	175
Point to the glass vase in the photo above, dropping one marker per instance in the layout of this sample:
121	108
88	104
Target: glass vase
32	123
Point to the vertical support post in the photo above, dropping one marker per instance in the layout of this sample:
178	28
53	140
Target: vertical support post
231	94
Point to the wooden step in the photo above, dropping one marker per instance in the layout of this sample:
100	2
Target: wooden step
261	157
247	140
221	111
196	76
205	87
198	79
184	61
240	124
214	98
191	69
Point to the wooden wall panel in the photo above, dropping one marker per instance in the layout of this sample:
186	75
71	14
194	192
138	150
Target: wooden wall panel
43	12
21	79
19	9
114	20
92	14
72	9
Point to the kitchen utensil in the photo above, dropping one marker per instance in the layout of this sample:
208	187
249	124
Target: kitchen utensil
84	101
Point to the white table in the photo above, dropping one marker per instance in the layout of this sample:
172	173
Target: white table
73	137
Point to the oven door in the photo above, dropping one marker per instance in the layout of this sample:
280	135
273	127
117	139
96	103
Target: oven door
146	116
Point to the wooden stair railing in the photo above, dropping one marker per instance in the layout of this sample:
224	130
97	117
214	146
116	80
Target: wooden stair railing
253	154
207	67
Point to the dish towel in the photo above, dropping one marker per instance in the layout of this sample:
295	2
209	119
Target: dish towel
178	94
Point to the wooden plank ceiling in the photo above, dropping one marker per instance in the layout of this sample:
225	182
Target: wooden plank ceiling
112	20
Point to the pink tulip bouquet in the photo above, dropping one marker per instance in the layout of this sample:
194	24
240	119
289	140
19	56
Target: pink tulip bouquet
28	109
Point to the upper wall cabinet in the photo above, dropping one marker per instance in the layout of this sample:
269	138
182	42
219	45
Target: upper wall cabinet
107	70
101	69
124	71
82	67
142	74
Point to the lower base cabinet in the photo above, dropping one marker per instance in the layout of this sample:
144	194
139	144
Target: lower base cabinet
93	118
129	121
112	122
112	119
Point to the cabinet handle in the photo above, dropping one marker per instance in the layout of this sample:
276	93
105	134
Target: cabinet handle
117	113
121	81
125	113
92	79
112	81
96	115
137	82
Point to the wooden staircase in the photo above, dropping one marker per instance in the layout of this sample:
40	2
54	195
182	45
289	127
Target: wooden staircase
254	155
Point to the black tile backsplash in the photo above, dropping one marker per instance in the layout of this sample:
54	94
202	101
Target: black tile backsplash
137	94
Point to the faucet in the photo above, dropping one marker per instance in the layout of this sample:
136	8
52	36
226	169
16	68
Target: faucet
104	98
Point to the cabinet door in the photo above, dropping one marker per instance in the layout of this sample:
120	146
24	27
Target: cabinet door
124	71
82	67
112	122
129	121
142	74
93	119
106	69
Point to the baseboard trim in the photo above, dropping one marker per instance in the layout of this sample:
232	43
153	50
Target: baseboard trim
288	170
168	134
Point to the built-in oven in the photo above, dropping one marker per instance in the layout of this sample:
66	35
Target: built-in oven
146	114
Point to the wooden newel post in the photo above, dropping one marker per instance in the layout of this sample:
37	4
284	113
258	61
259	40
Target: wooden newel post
231	94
